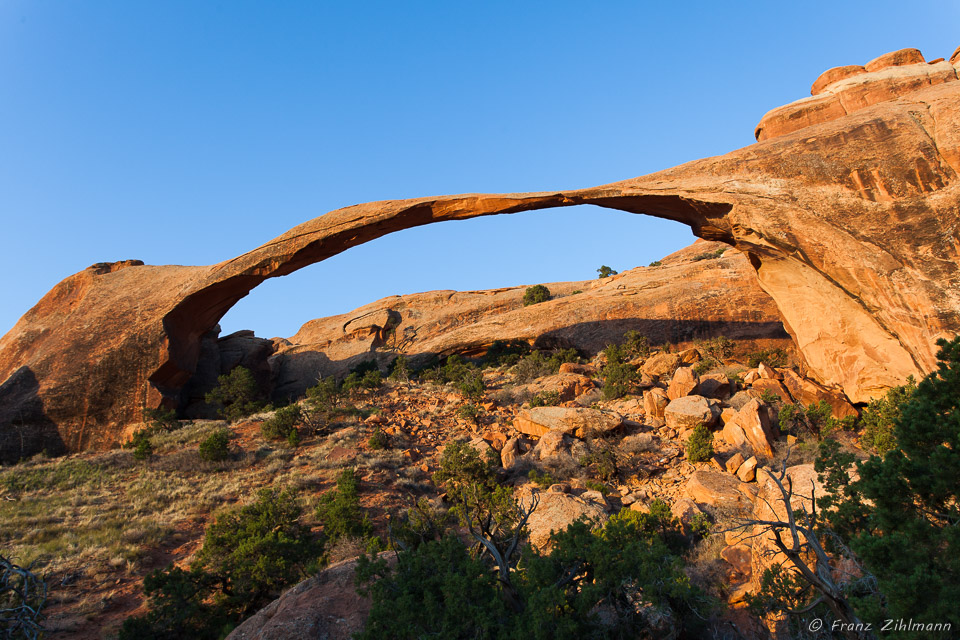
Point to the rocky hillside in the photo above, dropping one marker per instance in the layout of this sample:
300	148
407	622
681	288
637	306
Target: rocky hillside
704	291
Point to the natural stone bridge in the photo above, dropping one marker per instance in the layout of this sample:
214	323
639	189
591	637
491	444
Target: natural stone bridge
851	220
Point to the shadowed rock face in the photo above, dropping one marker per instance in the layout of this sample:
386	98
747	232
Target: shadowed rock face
851	224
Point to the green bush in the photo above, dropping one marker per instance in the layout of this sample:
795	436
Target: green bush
618	376
655	263
142	447
282	423
400	369
542	363
325	394
505	353
378	439
469	412
460	466
710	255
626	569
602	461
546	399
249	555
605	272
162	420
700	444
771	357
216	446
880	417
541	479
535	294
339	510
471	386
635	345
237	393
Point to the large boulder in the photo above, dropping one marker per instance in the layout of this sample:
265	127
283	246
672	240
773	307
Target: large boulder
689	411
718	489
576	421
555	512
807	392
683	383
324	606
754	420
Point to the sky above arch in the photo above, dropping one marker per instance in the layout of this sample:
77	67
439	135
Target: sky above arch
189	132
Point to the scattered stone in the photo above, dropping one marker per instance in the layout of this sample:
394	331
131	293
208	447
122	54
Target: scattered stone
684	382
714	385
747	472
716	490
734	462
751	376
654	402
768	373
755	422
577	421
689	411
661	364
740	398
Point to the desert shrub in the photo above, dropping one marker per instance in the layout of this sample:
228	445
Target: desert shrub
541	479
655	263
710	255
216	446
605	272
162	420
460	466
282	423
400	369
142	447
237	393
815	420
771	357
880	417
325	394
618	376
700	444
249	554
602	462
635	345
505	353
546	399
378	440
535	294
542	363
471	386
469	412
439	589
339	510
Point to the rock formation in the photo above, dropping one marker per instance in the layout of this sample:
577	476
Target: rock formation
850	219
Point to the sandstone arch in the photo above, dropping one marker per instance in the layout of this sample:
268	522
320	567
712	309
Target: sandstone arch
852	224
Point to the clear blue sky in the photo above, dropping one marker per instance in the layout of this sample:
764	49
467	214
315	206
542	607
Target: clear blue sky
189	132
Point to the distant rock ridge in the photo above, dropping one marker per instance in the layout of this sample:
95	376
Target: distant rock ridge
851	223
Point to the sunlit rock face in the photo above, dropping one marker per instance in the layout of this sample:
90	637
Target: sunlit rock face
849	220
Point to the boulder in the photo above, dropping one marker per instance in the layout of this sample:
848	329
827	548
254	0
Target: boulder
510	454
767	372
748	470
654	402
689	411
739	556
685	510
557	511
576	421
324	606
714	385
683	383
807	392
580	369
661	364
755	422
733	462
717	489
773	386
733	434
551	444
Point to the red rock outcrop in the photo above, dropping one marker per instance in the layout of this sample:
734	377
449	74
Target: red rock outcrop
851	220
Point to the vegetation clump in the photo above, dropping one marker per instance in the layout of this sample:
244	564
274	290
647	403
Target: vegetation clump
879	418
618	376
700	444
249	554
282	425
216	446
605	272
237	393
535	295
776	357
339	511
543	363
